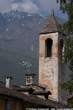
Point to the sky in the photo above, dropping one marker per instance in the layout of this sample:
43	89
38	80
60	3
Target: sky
44	7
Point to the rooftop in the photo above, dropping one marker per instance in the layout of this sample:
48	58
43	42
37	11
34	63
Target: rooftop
29	100
51	25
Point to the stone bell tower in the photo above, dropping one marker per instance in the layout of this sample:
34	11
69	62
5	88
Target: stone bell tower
50	58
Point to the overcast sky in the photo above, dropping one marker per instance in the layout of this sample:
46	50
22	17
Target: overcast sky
31	6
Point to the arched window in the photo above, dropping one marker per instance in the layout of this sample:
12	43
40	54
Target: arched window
48	47
61	43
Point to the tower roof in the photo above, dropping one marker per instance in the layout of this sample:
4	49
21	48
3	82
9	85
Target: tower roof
51	25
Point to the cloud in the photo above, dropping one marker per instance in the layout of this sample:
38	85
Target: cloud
23	5
31	6
47	6
36	6
16	1
5	5
27	6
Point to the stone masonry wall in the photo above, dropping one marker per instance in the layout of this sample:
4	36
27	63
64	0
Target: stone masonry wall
49	66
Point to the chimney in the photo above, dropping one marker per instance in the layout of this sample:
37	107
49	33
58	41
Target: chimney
29	78
8	83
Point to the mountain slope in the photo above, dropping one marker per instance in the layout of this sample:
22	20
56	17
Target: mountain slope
19	44
19	34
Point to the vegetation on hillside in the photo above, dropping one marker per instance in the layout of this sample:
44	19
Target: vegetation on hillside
67	6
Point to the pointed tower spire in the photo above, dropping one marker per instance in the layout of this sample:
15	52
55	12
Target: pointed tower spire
51	25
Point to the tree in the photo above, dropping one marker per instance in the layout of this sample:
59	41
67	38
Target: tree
67	6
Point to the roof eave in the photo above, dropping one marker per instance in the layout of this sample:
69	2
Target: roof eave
49	32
